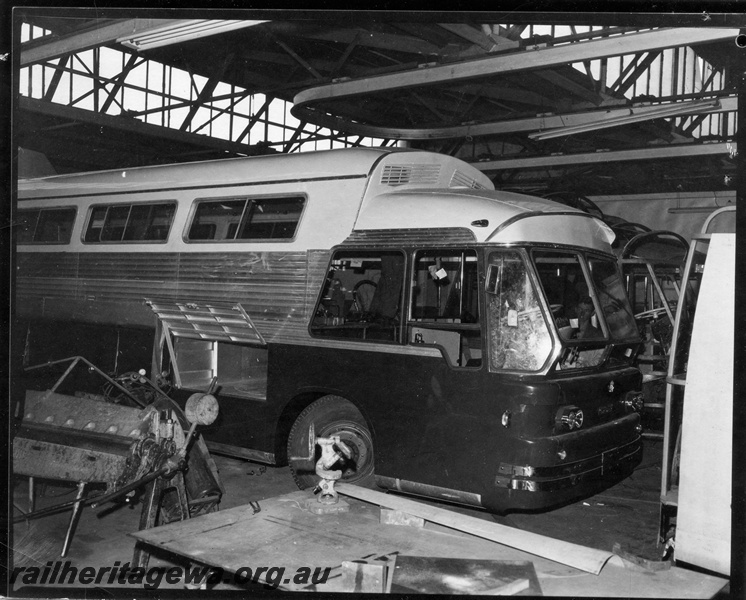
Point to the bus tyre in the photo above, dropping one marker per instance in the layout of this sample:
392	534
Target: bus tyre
331	416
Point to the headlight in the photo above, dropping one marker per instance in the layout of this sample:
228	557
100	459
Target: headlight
570	417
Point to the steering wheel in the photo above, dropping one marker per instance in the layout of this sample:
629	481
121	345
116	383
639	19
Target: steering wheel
653	313
362	295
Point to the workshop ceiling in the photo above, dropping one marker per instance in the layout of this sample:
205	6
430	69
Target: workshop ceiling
487	90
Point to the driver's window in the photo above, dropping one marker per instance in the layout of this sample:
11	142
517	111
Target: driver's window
361	298
568	292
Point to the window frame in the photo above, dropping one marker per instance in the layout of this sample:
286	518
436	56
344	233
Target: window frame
449	325
248	200
403	296
583	261
130	205
538	291
39	211
459	252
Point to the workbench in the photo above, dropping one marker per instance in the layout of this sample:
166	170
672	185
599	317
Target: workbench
285	533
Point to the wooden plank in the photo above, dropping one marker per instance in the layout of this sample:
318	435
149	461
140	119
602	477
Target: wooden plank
573	555
287	535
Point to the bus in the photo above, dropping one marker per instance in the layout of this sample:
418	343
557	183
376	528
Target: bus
469	345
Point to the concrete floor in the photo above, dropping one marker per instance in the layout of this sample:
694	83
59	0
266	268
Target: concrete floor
626	514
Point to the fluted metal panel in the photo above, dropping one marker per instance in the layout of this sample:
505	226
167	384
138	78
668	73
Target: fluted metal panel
270	286
43	275
48	264
143	266
123	289
277	289
46	287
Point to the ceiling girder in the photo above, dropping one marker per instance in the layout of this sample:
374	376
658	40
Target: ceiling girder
295	56
428	105
345	55
255	118
498	35
491	66
56	78
515	31
448	89
695	121
508	126
206	92
659	152
638	71
80	115
296	134
376	39
218	112
132	62
571	86
468	33
507	92
38	51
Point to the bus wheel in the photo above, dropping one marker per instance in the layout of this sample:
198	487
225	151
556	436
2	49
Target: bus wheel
331	416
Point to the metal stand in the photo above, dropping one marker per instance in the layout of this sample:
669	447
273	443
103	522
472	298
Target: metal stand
152	510
74	518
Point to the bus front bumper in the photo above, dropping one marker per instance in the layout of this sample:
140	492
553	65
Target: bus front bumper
615	463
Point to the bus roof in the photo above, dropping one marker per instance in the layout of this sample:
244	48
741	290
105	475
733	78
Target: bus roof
494	216
399	189
303	166
331	163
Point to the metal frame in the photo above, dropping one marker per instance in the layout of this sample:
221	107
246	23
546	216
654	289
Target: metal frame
669	497
616	70
75	62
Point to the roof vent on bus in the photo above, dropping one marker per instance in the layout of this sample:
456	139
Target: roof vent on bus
460	179
417	174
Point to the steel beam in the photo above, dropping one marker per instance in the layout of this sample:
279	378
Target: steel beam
119	81
206	92
657	153
80	115
541	58
56	78
470	34
538	123
77	42
574	88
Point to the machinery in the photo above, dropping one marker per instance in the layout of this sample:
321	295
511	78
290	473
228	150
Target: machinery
133	442
332	458
332	450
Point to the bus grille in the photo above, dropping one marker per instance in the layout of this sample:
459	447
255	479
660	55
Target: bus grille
416	174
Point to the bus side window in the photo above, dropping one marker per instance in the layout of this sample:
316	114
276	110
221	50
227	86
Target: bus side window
246	219
445	304
129	222
45	226
361	297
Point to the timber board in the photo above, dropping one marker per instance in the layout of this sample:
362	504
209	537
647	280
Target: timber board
286	534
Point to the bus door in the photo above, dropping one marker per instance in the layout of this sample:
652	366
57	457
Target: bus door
436	425
214	347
